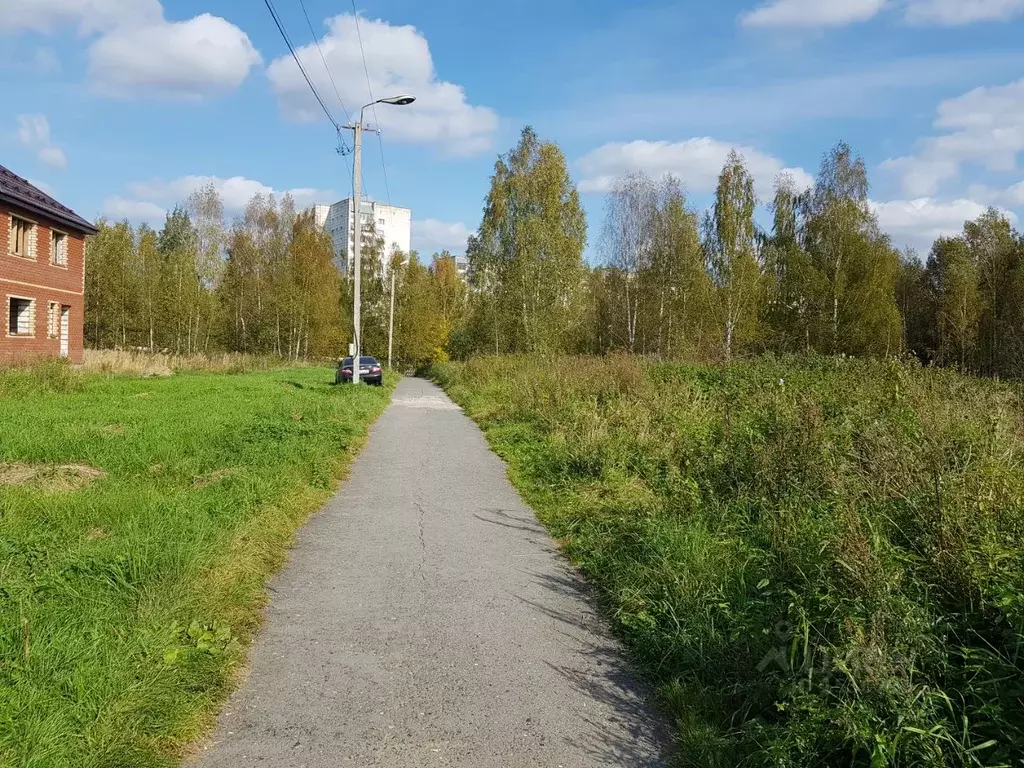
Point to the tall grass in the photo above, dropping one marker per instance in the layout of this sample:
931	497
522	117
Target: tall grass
126	603
43	375
818	562
164	363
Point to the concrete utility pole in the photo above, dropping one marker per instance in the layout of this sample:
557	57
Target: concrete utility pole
391	317
357	215
357	183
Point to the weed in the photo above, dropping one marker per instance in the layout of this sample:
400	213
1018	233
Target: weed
817	561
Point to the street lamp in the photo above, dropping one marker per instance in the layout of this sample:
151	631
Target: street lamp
357	180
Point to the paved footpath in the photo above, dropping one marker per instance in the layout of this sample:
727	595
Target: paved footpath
426	619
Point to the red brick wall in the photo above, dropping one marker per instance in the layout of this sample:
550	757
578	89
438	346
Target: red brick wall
44	282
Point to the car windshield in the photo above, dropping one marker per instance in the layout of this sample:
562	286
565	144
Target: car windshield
363	362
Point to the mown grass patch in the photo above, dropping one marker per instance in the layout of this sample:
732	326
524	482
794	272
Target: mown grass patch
818	562
126	603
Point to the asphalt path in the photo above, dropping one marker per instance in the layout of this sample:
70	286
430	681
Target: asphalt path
426	619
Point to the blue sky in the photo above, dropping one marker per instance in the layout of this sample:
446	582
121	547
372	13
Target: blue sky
121	107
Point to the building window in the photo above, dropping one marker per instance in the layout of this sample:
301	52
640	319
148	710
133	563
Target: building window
21	316
381	222
22	241
59	249
53	320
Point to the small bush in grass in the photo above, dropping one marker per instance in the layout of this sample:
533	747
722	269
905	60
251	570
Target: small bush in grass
818	561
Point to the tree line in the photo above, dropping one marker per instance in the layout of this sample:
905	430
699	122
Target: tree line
674	282
671	281
265	283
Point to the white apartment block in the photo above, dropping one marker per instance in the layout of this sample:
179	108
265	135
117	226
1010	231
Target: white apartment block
392	223
320	214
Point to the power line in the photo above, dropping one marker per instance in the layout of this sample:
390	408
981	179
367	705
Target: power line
302	69
387	187
324	60
369	88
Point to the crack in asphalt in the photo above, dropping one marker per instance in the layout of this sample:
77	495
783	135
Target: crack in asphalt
423	541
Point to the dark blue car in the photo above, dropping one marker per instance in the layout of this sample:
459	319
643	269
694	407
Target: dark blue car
369	371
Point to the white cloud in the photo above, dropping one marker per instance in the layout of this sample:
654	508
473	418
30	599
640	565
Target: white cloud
920	222
983	127
399	61
813	13
136	51
133	210
88	16
188	59
235	192
1011	197
34	134
33	130
874	92
53	156
149	200
1014	196
952	13
696	162
429	235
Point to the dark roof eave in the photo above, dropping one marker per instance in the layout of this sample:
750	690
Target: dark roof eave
73	221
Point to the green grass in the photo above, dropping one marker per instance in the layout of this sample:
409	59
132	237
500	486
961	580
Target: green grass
126	606
817	562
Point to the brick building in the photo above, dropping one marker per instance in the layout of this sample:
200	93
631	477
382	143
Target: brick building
42	273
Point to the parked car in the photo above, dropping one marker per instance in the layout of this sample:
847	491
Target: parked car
369	371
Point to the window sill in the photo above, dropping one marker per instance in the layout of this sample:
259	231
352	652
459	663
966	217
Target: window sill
21	256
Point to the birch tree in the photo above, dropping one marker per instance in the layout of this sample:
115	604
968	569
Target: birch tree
149	284
206	211
954	281
797	290
180	284
995	251
532	238
731	251
677	282
627	243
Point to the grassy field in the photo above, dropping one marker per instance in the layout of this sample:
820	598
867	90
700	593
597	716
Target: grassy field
817	562
139	520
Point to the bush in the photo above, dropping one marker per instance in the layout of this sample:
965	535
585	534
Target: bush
818	561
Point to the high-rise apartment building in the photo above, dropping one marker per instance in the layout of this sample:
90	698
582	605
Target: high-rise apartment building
390	223
320	213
